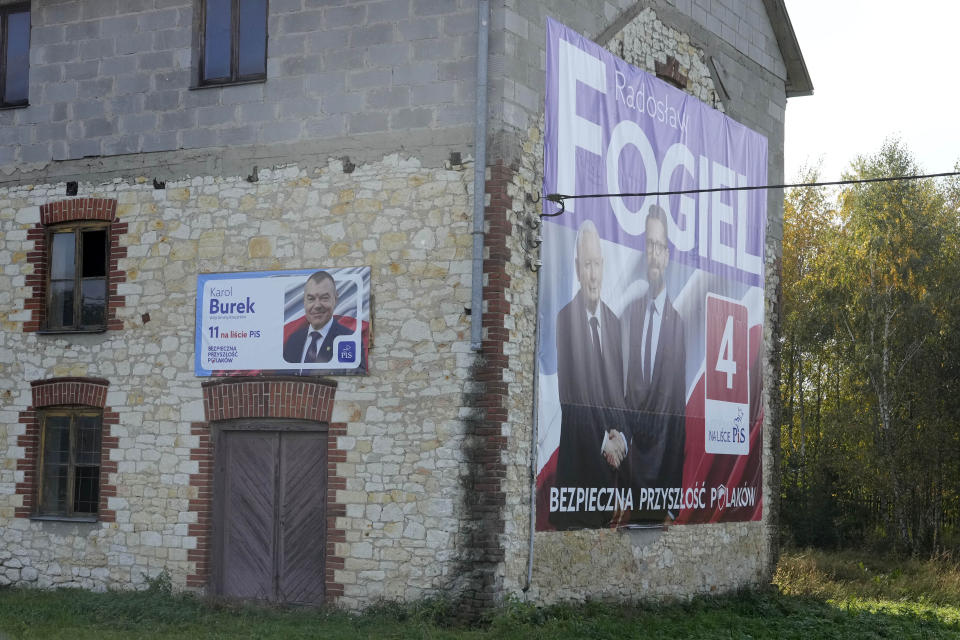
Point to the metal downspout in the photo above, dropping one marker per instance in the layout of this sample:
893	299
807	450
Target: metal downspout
535	446
479	176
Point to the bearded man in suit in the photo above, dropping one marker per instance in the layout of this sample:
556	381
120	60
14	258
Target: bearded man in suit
655	393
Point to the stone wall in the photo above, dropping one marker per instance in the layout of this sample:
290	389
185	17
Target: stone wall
403	442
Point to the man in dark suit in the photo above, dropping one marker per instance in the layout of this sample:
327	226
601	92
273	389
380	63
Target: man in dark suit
314	341
590	379
656	381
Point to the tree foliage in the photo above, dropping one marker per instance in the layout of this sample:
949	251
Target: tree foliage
870	366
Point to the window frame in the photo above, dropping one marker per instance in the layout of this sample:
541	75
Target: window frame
5	11
77	228
41	510
235	77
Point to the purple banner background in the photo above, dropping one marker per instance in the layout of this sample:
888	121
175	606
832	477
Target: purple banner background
612	128
709	136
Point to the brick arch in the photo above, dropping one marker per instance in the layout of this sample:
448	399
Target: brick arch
297	397
78	209
91	392
74	210
52	392
268	397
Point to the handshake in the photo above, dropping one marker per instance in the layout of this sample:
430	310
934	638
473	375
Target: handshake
614	448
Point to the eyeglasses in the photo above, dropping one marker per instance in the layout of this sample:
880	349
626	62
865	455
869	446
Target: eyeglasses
656	247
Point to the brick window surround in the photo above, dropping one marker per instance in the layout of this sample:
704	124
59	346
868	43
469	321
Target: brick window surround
238	397
74	210
59	392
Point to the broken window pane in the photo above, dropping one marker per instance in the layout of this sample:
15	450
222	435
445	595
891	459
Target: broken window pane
94	253
79	264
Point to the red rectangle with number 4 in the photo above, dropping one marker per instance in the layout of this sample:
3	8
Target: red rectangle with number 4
727	388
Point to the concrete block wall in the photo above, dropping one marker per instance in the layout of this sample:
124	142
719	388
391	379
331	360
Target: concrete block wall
517	39
112	78
735	35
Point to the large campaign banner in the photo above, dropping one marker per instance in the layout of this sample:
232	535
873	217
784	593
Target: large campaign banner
306	322
651	306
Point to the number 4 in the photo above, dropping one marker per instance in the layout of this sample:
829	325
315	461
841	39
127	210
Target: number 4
725	361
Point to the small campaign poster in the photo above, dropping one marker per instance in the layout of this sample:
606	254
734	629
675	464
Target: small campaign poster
304	322
651	305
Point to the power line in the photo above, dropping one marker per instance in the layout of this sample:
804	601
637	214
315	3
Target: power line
559	198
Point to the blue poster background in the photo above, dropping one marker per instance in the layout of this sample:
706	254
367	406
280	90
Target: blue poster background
245	319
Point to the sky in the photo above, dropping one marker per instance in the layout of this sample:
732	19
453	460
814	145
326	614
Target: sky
880	68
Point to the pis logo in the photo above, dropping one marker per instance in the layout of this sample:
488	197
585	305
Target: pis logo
347	352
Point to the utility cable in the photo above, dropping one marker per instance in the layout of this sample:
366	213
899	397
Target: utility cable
559	198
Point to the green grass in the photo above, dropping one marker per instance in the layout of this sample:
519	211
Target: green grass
816	595
837	576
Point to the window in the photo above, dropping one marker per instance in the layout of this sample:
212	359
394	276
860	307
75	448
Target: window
77	289
14	54
69	464
76	274
233	41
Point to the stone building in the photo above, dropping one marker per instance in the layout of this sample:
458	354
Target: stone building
309	134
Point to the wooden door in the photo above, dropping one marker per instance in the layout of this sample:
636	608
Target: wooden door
302	511
247	526
270	514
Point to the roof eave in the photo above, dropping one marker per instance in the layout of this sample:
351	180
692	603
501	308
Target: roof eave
798	82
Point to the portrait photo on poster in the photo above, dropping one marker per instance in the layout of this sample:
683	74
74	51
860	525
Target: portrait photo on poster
326	332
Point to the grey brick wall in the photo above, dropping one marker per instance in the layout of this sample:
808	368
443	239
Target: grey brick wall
113	77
